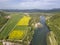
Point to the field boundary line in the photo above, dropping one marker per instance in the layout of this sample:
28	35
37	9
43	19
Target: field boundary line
4	26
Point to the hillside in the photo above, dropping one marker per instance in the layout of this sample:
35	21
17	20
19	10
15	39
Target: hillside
54	26
31	10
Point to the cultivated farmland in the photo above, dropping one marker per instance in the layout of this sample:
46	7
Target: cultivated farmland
17	28
10	25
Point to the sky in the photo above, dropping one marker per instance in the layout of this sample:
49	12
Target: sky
29	4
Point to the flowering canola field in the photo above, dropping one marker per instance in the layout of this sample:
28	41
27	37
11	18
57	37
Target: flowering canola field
16	34
20	33
24	21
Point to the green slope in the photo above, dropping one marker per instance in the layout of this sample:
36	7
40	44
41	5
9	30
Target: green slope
10	25
54	25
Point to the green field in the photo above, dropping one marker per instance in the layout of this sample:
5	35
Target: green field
3	20
10	25
1	43
54	25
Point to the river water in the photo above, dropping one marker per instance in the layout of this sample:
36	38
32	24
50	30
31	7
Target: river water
40	34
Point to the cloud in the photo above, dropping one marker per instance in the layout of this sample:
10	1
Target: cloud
38	4
30	4
3	0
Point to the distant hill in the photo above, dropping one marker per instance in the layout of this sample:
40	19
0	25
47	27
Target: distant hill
30	10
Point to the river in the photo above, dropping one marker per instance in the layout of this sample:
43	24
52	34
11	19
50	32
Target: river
40	34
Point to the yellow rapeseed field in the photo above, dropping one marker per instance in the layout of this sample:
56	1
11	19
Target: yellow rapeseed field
24	21
17	34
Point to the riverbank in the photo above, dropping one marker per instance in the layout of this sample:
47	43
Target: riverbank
51	39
